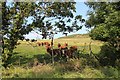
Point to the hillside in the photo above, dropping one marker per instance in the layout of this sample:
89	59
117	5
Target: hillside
75	36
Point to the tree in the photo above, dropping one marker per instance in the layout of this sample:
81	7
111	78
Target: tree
56	16
14	26
47	17
105	19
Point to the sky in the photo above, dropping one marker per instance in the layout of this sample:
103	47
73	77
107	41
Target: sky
81	9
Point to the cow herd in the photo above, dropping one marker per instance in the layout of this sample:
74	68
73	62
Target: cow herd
62	50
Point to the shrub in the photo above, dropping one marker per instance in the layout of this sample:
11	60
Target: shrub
108	55
110	72
90	72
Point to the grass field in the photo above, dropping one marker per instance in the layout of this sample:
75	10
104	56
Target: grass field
25	56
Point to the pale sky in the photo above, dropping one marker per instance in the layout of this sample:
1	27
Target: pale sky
81	9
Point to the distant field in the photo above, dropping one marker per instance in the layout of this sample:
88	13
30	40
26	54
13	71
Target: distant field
76	36
81	41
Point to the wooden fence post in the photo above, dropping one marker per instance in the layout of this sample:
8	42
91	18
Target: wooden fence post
52	49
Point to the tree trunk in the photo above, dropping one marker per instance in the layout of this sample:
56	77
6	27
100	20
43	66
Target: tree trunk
3	46
52	50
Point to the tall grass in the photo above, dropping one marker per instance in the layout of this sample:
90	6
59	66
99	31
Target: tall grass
60	71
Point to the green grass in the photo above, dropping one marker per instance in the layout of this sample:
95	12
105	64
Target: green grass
75	36
60	71
25	55
29	52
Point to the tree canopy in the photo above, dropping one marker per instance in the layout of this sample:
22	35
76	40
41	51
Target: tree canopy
105	19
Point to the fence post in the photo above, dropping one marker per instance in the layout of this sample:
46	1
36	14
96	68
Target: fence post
52	48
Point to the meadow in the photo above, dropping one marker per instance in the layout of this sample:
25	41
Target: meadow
23	62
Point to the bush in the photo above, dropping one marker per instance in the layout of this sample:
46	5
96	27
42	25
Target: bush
90	72
110	72
108	55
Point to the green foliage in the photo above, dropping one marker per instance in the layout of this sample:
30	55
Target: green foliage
90	72
104	17
110	72
99	33
14	26
108	55
56	16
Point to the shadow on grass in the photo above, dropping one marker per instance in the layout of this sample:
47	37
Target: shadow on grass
17	59
60	68
21	60
45	58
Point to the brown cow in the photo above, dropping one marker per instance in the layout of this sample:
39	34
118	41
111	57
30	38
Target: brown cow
73	48
46	43
42	44
56	52
38	43
66	44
